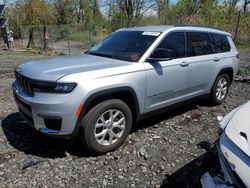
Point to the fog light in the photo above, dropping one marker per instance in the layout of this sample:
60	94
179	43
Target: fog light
53	123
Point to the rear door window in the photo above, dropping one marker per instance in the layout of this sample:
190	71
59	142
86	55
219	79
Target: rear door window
200	44
221	43
175	42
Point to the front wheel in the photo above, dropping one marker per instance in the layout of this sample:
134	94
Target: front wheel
106	126
220	89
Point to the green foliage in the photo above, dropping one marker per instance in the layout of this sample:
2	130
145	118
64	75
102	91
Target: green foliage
242	71
33	12
62	33
81	37
214	13
63	11
243	46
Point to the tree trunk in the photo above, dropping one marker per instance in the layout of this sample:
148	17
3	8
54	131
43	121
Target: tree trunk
45	38
31	43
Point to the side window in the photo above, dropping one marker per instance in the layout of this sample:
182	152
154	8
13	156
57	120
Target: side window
174	42
221	43
200	44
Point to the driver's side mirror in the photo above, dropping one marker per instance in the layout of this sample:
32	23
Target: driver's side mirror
162	54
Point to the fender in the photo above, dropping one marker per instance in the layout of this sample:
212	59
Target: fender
223	70
227	69
106	92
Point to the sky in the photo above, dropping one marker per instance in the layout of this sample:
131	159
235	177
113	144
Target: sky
9	1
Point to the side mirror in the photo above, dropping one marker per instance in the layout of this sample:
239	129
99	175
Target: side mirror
162	54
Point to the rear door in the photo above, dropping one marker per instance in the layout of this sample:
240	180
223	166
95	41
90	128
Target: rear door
201	52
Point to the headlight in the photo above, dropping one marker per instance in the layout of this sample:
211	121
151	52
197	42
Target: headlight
54	87
222	123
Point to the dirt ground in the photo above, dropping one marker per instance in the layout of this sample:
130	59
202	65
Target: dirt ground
162	151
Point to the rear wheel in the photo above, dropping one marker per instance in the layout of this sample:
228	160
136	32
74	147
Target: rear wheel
106	126
220	89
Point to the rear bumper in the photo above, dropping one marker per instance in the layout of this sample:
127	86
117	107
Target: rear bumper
50	114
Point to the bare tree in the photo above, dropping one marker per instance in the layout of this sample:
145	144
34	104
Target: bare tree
232	3
111	9
190	7
78	7
135	9
162	5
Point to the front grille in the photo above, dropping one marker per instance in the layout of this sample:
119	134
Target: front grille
25	83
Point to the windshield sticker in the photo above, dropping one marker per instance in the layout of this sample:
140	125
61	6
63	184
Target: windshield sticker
151	33
135	57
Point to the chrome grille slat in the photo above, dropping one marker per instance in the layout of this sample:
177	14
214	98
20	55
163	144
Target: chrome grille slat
24	83
30	86
21	81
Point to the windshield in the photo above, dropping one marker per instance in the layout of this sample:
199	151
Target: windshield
125	45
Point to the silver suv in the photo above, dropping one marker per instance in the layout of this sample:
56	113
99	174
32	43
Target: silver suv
131	74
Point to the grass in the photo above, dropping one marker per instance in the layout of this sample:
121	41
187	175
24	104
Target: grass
26	53
29	53
81	37
243	46
242	71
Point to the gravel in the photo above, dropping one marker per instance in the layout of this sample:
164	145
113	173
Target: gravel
164	150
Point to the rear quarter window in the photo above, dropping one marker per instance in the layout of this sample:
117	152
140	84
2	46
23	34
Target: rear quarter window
221	43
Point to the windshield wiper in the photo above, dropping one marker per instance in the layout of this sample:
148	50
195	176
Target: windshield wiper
100	54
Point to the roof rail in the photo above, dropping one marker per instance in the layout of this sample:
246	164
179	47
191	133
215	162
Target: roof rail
197	26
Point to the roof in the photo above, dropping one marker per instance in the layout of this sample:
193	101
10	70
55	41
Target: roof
159	28
163	28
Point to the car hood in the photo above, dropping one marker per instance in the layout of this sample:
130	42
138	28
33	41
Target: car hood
55	68
238	128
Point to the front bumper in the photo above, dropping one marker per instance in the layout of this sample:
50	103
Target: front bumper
234	162
51	114
223	172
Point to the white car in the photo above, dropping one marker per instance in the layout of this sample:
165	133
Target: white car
132	74
233	150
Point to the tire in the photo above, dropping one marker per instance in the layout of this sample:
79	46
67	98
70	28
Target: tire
97	126
220	89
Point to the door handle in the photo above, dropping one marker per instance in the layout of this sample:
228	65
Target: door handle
216	59
184	64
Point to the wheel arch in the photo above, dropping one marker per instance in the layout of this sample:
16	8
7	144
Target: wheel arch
229	71
126	94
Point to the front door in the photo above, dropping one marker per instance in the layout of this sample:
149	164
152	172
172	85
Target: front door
167	82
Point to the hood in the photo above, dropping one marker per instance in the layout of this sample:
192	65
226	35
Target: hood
238	128
55	68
